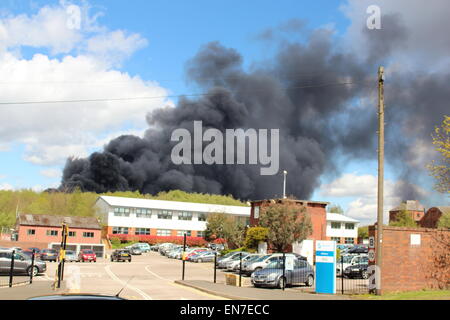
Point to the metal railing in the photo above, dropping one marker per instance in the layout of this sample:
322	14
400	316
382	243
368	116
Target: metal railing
18	272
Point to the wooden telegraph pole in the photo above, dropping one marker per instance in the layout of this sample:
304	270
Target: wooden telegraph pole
380	175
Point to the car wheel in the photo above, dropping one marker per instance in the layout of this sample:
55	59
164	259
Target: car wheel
257	269
365	275
112	259
282	283
35	271
310	281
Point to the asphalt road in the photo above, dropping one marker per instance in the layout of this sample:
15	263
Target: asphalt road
149	277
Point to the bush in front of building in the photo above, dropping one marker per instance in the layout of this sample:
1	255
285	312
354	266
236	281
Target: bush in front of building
190	241
254	236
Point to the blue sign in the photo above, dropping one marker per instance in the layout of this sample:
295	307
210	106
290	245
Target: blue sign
326	267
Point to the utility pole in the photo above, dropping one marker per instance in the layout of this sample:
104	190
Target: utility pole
380	175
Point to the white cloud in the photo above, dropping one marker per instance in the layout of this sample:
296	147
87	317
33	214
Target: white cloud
364	188
6	186
51	173
51	132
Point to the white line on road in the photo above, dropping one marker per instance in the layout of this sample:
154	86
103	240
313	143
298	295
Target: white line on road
115	278
159	277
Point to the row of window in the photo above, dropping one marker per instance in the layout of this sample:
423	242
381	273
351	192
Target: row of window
161	214
159	232
54	233
337	225
346	240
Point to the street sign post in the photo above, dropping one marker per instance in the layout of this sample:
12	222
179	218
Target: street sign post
371	242
326	267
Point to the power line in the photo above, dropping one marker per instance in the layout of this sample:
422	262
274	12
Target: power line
162	97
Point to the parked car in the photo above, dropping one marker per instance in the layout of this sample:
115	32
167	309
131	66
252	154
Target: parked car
71	256
194	252
204	256
36	250
358	249
165	247
350	260
272	275
22	263
87	255
49	255
357	271
222	263
234	265
135	251
143	246
154	247
249	267
174	253
121	255
29	254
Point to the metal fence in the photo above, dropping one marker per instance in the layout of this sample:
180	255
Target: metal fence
352	275
15	269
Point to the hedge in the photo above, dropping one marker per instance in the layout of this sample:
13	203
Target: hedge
190	241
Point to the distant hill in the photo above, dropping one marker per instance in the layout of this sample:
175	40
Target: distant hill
81	203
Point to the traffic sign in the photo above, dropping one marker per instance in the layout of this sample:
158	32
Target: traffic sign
372	255
371	242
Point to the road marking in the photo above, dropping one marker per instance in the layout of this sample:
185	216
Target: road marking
156	275
115	278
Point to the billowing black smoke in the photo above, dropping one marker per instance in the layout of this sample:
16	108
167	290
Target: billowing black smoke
301	92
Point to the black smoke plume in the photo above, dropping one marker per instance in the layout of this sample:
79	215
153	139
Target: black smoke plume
322	99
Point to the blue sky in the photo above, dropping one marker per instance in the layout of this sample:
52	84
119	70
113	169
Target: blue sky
168	33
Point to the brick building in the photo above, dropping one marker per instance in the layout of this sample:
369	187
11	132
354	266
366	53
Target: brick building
413	207
315	209
46	229
431	218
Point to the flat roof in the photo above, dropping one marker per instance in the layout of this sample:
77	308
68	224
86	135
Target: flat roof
294	200
174	205
339	217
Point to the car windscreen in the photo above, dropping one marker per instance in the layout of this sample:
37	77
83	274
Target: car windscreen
262	258
253	258
275	265
88	252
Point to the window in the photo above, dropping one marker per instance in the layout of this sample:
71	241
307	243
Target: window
180	233
165	214
335	225
337	239
120	230
142	231
349	226
256	212
88	234
184	215
121	212
349	240
163	232
201	234
201	216
143	213
72	234
31	232
52	233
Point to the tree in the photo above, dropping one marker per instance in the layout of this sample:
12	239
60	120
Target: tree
403	219
287	222
336	209
444	221
220	225
254	236
440	169
363	232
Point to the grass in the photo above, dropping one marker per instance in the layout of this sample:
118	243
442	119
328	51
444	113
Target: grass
410	295
122	245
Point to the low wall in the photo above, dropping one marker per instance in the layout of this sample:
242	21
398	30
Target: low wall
414	258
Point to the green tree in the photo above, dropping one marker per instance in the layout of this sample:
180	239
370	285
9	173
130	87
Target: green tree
363	232
336	209
440	169
254	236
444	221
287	222
403	219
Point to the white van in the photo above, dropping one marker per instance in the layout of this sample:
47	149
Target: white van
249	267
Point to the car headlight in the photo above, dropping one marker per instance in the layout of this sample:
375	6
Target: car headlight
273	275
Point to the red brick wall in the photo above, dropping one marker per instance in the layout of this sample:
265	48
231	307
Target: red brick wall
317	213
416	215
407	267
41	236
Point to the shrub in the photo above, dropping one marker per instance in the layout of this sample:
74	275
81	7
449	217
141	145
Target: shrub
254	236
190	241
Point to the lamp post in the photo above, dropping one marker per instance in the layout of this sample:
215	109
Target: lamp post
284	184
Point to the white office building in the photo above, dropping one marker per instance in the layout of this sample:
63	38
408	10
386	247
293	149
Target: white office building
133	216
342	229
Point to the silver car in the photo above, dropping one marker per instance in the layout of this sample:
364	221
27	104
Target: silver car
22	264
71	256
